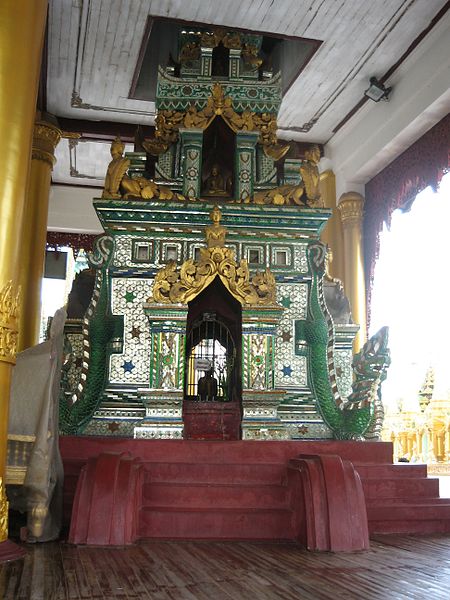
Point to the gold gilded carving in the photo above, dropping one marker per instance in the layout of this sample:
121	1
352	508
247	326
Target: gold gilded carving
169	121
9	317
118	184
351	207
305	194
215	234
173	286
230	39
250	56
46	157
46	136
117	169
310	175
190	51
3	512
45	139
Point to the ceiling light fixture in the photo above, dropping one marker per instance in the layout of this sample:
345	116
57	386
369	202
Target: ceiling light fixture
376	91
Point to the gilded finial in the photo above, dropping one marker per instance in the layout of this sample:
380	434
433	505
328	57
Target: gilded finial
215	215
117	146
215	233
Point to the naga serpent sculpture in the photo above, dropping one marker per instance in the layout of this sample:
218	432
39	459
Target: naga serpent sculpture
99	327
360	415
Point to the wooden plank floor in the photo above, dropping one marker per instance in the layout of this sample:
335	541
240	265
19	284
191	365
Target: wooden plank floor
396	567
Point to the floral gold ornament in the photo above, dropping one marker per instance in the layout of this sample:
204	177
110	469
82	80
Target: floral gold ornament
230	39
306	193
9	317
189	52
250	55
167	123
3	512
173	286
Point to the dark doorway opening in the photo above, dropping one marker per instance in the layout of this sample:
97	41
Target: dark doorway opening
213	373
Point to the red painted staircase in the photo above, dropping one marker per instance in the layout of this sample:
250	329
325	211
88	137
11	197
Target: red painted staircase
401	498
240	490
216	501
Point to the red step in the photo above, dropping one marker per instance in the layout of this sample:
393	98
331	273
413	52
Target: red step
418	518
407	501
215	500
214	473
241	451
388	470
179	495
212	524
401	498
401	487
413	527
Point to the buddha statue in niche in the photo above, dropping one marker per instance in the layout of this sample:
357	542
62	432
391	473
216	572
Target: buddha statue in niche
215	183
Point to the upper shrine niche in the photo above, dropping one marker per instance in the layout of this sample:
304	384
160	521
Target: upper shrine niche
216	130
177	45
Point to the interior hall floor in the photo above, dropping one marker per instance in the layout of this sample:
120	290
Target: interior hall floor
395	567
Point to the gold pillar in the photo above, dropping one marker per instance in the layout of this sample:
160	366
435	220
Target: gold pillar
45	139
22	25
332	233
351	208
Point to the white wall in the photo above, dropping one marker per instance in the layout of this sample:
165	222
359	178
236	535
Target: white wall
70	209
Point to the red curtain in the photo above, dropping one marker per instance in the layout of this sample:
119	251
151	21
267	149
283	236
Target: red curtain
423	164
76	241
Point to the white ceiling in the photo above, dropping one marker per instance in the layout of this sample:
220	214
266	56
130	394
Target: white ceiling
94	45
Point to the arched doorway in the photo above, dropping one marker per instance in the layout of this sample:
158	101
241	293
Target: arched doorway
213	378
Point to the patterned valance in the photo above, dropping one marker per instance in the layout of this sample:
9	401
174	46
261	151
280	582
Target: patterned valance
423	164
76	241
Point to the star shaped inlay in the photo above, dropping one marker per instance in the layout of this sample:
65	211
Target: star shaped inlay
113	427
286	336
136	332
286	302
128	366
303	429
129	296
339	371
287	370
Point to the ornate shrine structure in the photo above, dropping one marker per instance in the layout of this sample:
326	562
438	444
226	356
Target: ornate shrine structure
211	392
209	317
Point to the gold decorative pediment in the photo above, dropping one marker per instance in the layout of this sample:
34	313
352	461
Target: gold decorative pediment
218	104
180	286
